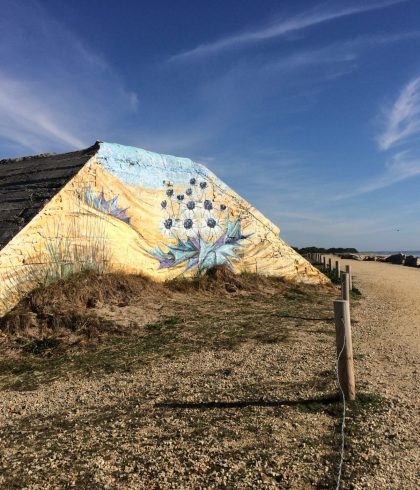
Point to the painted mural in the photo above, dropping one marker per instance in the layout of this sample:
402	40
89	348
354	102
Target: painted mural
133	210
108	206
203	231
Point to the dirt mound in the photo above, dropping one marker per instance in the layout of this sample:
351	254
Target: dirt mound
69	304
89	306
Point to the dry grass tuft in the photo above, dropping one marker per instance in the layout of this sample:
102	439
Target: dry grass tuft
87	289
221	279
68	305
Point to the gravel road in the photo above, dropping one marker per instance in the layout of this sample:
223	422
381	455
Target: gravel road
386	342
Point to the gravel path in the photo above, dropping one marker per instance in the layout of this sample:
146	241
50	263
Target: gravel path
254	416
235	394
386	329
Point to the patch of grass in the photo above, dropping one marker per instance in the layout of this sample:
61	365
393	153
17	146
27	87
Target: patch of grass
331	274
355	293
171	321
41	346
319	406
329	373
359	357
369	401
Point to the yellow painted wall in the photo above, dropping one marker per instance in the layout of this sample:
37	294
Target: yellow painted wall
70	234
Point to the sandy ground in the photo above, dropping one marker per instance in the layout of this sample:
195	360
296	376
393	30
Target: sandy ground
386	341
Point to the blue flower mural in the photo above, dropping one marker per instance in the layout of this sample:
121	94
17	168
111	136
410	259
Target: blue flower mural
108	206
201	231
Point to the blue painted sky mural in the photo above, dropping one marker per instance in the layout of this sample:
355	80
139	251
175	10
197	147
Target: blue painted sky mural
310	110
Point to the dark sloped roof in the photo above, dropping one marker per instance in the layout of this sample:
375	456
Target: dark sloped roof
28	183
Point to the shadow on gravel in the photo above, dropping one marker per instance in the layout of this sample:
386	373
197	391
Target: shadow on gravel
327	400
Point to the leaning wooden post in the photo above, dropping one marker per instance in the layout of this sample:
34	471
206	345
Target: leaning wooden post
348	270
344	349
329	264
345	290
337	268
324	262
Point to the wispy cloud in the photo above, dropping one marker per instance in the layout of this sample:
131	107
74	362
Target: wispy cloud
343	51
400	167
26	120
402	124
280	27
245	90
403	119
55	93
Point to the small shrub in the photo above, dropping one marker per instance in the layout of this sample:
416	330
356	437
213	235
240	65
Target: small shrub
331	274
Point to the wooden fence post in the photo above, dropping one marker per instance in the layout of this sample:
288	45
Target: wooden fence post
324	262
329	264
345	290
348	270
337	268
344	348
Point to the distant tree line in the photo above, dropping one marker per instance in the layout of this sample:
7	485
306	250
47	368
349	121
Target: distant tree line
334	250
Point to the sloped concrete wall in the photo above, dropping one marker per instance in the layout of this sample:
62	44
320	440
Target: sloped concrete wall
188	220
137	211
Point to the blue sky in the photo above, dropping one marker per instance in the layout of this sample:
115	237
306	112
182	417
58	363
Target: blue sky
309	110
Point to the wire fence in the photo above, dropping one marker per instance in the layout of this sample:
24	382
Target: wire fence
344	362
